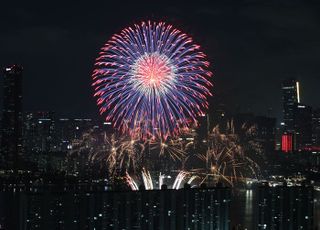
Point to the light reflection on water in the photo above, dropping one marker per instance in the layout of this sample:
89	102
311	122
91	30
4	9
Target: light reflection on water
248	206
242	213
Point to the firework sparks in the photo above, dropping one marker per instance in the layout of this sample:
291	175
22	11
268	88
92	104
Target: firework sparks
177	182
150	182
225	158
151	81
132	184
122	153
117	152
147	180
176	149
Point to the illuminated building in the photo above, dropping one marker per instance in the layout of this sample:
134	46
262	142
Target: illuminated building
290	96
287	143
297	117
302	126
70	129
39	131
11	141
316	127
278	136
265	132
283	207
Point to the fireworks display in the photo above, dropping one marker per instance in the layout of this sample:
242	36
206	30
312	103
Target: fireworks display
224	157
151	81
111	151
150	183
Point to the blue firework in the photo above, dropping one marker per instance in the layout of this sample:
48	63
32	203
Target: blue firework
151	81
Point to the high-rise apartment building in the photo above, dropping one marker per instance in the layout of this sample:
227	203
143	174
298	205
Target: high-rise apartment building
284	207
11	140
166	209
297	117
316	127
302	126
290	96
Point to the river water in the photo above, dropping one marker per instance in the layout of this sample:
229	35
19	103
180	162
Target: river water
244	212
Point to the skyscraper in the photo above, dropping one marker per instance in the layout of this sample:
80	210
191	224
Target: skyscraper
290	96
302	126
297	118
11	141
316	127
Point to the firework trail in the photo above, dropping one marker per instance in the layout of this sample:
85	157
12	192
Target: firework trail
117	152
176	149
132	184
150	182
226	158
179	179
121	153
151	81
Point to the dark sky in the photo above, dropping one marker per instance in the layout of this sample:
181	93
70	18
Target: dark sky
252	46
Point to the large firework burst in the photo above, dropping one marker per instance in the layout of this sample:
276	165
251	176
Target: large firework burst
151	81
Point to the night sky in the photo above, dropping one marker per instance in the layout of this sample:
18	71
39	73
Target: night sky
252	47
